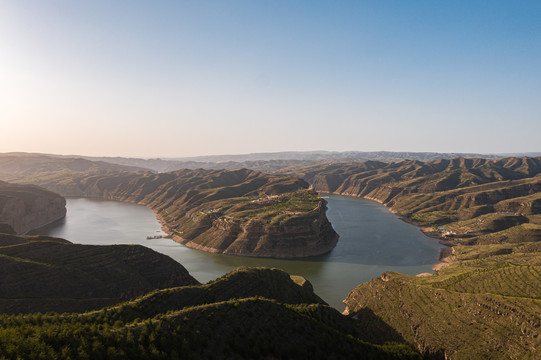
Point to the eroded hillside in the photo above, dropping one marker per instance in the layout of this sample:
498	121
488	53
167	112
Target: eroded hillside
27	207
240	212
484	302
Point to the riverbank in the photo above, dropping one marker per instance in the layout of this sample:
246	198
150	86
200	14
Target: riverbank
358	256
444	258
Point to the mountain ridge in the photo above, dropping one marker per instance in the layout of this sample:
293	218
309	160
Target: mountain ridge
240	212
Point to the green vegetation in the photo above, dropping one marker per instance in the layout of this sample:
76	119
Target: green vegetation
41	273
227	318
485	303
248	328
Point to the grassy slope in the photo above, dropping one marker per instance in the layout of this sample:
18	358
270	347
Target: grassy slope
48	274
488	307
227	318
487	302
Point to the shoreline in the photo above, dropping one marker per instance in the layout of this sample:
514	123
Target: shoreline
445	252
443	259
190	244
43	225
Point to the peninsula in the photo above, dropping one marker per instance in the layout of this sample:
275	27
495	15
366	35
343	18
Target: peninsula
240	212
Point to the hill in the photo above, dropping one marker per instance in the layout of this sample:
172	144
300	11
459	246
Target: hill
386	156
27	207
22	167
227	319
240	212
484	301
484	305
41	274
439	191
264	162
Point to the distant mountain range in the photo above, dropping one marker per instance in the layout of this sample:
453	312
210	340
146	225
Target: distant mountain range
270	162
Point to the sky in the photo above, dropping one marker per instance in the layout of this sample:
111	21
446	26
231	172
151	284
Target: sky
187	78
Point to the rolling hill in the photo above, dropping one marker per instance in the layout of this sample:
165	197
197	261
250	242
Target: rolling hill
41	274
250	313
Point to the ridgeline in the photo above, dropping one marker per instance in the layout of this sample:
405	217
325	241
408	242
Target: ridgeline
239	212
250	313
484	302
42	273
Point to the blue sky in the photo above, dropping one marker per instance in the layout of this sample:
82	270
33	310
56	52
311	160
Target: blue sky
184	78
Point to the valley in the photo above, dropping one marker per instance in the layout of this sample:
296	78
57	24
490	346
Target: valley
484	298
239	212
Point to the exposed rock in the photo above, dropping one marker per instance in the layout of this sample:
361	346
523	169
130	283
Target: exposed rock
240	212
6	229
304	235
27	207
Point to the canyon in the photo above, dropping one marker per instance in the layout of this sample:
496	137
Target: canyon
483	300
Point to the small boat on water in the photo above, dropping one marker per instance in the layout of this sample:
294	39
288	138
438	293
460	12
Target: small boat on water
154	237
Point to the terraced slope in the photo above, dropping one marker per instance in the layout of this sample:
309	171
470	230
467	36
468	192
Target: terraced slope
203	322
27	207
384	181
472	309
471	198
484	302
240	212
43	274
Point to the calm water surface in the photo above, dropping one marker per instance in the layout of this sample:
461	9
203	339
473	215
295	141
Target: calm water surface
372	241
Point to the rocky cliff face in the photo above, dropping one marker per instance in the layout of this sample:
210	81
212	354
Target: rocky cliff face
27	207
240	212
302	235
453	185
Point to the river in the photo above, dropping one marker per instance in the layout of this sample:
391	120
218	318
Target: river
372	241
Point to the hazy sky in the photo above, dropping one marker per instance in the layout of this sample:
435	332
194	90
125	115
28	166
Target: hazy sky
183	78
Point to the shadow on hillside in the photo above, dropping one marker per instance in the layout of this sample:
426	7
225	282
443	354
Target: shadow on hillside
374	330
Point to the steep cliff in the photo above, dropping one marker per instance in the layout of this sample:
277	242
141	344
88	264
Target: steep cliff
240	212
27	207
286	234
